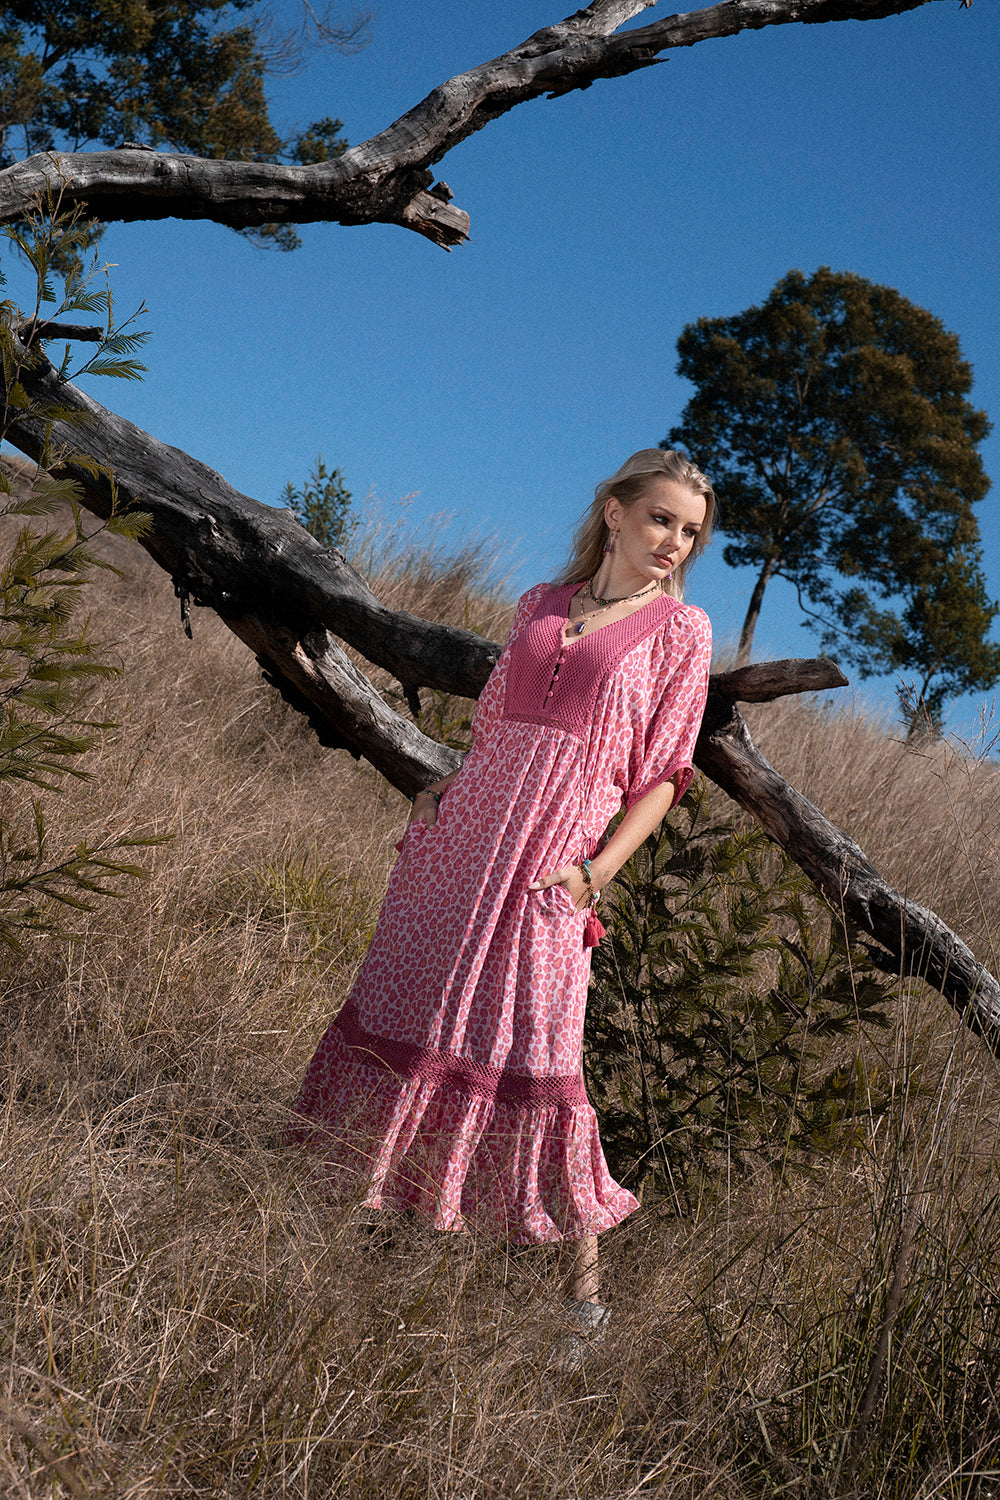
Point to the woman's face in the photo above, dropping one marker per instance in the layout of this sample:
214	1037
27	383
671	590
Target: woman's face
655	533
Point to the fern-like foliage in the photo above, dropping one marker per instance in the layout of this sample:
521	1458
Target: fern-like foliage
49	661
720	983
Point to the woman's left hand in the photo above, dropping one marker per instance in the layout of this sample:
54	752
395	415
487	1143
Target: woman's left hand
425	807
571	876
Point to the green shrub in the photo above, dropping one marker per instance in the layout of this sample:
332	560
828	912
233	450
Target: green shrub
720	977
322	506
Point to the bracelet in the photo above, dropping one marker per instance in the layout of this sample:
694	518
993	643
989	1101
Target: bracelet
427	792
584	868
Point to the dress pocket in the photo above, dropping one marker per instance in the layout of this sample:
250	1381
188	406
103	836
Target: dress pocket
556	901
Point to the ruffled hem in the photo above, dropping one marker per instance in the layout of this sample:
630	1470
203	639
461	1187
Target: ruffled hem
462	1160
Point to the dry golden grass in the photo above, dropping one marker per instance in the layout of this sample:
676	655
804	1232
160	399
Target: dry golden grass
183	1316
927	812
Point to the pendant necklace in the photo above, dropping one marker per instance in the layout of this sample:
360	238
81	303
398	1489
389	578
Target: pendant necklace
604	604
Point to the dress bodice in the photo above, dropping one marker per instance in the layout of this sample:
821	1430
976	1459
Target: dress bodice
552	682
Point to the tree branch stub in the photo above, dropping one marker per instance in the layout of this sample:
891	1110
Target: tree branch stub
764	681
42	332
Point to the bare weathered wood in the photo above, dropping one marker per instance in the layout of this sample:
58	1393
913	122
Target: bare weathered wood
386	178
232	553
766	680
44	332
324	676
913	939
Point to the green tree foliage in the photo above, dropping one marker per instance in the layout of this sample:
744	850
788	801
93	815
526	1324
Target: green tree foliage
190	76
834	419
323	506
720	982
48	658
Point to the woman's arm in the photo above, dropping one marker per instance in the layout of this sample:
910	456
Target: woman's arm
637	824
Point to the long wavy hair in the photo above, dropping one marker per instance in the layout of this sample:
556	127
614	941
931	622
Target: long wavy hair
627	486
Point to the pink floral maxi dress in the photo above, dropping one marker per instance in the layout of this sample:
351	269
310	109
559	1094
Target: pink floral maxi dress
451	1081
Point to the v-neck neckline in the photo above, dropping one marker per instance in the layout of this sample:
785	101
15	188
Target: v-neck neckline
574	589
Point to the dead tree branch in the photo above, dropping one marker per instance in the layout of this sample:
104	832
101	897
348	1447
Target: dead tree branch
386	178
766	680
239	557
30	331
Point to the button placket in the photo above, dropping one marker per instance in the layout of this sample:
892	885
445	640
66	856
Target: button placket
555	674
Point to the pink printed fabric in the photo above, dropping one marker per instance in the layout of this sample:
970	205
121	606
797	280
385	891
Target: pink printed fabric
451	1081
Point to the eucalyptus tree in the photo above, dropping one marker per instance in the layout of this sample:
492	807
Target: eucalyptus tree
837	423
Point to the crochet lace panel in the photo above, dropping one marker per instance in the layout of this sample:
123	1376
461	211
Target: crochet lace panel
451	1071
551	683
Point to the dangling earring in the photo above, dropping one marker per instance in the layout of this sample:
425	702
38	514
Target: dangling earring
609	545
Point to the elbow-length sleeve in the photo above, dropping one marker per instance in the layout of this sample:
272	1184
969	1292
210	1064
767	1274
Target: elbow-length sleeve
663	752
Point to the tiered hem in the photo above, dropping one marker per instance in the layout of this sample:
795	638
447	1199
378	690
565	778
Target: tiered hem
462	1157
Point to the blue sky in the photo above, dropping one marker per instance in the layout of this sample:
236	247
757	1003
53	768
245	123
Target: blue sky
496	385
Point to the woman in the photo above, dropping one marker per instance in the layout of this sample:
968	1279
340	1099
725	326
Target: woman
451	1081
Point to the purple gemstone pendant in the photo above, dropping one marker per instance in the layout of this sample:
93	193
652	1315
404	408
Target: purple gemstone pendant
578	630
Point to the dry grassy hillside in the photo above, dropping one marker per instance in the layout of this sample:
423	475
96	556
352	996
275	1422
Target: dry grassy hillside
181	1314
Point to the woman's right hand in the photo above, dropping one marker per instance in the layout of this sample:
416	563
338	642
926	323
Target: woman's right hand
571	878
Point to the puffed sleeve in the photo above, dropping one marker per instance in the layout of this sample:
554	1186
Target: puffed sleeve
664	751
491	699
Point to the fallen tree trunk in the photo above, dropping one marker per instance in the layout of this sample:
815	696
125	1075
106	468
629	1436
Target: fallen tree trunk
288	598
233	554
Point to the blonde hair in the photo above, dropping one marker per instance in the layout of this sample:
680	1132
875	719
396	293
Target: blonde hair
630	484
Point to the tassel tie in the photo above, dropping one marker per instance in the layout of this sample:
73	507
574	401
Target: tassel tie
593	928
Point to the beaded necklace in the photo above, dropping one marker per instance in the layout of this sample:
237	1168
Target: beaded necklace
605	604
